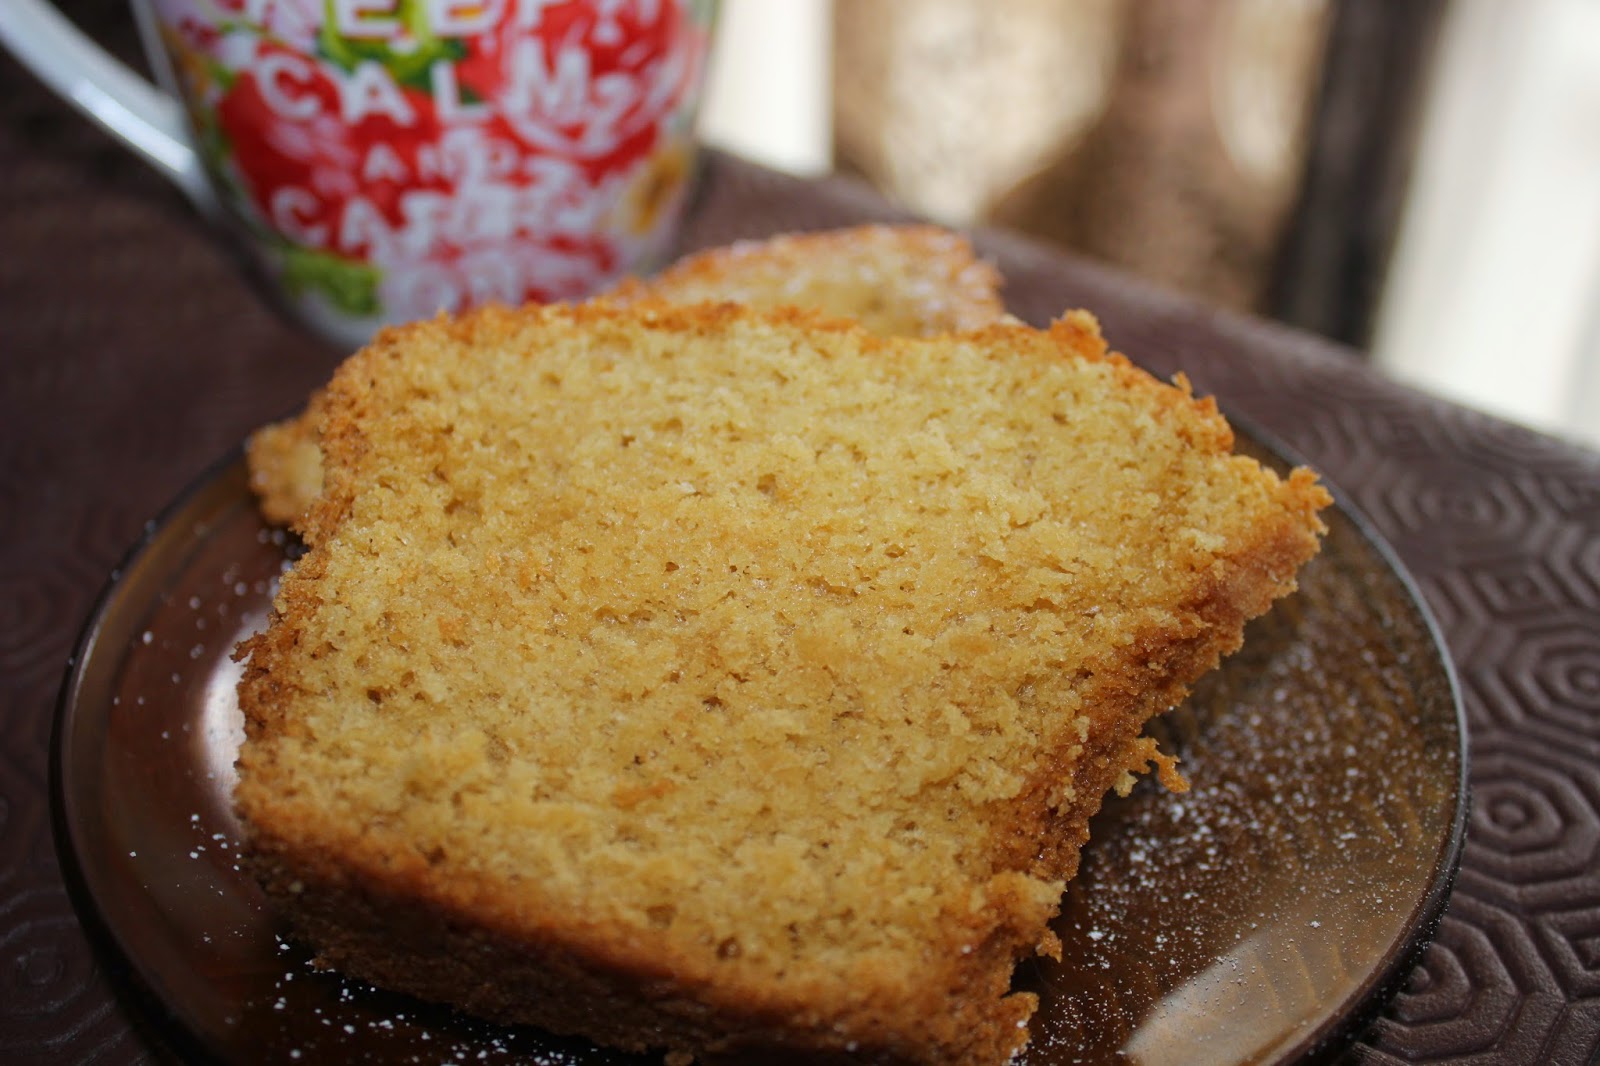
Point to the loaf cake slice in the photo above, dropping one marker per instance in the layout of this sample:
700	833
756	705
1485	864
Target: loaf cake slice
897	281
729	683
905	280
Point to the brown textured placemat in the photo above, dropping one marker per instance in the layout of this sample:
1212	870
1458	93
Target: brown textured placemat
131	356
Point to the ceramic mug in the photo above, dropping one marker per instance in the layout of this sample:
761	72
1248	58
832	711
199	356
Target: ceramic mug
388	159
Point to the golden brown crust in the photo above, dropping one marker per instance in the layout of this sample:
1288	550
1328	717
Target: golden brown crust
385	897
397	934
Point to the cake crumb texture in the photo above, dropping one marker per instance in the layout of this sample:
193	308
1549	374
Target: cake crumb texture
901	280
727	682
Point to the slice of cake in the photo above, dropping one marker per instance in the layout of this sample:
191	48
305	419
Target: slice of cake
735	684
898	281
908	280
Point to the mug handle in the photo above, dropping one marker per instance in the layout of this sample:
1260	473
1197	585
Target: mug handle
119	101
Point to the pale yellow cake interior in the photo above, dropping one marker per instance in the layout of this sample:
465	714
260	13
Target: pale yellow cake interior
746	641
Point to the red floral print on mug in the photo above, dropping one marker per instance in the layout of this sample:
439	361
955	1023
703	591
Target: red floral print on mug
399	157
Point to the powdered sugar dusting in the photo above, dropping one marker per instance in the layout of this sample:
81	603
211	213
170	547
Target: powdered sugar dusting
1242	919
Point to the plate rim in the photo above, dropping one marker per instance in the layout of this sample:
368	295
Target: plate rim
135	988
1378	990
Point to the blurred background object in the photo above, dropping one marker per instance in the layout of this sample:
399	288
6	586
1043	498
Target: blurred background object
767	96
1164	136
1493	295
1419	180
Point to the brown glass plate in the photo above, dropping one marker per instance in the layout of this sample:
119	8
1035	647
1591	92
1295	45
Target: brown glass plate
1259	918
